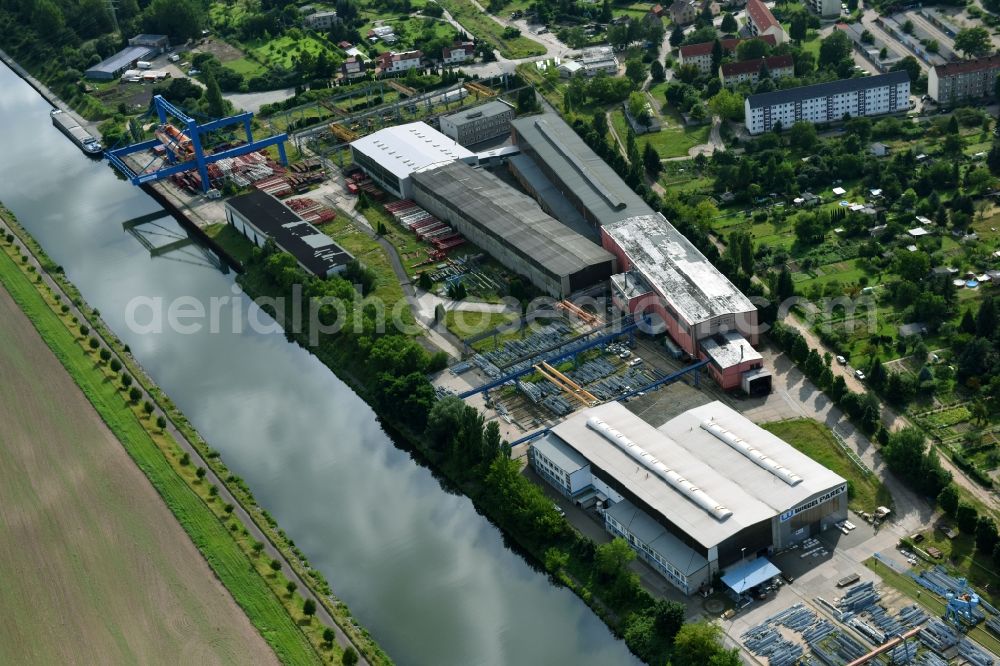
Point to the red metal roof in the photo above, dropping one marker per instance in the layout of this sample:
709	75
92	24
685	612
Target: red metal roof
750	66
761	15
705	48
966	66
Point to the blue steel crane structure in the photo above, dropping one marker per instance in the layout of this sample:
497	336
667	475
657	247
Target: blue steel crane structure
194	131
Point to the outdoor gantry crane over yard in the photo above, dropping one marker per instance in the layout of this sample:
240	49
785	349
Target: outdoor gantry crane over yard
184	148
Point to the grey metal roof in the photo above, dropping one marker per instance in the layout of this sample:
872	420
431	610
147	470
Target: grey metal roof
120	60
752	493
550	198
582	171
561	455
507	214
824	89
488	110
676	269
673	550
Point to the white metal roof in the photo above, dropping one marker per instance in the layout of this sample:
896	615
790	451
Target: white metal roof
730	349
756	475
676	269
405	148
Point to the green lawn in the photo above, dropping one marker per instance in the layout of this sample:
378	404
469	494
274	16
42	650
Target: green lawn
483	27
282	51
231	240
367	250
248	68
816	441
468	324
233	567
674	140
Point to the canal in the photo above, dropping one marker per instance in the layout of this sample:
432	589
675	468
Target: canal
426	574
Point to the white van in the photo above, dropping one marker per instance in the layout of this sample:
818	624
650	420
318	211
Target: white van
174	58
144	64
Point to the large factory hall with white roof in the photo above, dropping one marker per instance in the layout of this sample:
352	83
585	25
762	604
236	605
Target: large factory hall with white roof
707	491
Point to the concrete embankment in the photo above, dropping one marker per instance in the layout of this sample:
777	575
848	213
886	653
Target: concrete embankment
48	95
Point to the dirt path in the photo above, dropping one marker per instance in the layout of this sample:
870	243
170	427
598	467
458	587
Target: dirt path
890	418
270	550
96	567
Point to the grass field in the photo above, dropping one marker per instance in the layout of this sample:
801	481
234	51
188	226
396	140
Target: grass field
282	51
816	441
230	240
91	552
674	140
483	27
92	540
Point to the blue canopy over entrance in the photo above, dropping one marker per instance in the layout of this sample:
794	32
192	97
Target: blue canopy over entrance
748	575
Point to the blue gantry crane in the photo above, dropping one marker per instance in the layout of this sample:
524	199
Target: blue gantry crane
184	147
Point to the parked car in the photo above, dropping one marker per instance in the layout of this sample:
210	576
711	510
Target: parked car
559	509
194	72
841	360
787	577
859	375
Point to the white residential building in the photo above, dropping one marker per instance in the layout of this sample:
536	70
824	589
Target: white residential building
828	102
825	8
394	63
760	21
321	20
458	52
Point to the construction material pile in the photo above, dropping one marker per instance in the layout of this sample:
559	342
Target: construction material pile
310	210
424	225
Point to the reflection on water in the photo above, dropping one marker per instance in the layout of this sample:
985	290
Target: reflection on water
428	576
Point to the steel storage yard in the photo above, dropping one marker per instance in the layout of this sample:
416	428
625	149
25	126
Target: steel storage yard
696	495
511	227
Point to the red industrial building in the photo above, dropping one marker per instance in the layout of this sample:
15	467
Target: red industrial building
665	280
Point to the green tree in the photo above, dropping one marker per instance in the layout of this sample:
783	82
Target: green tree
309	608
718	53
752	49
948	499
161	422
656	72
424	281
291	586
986	534
973	42
910	65
967	517
677	36
802	136
986	319
799	27
729	25
181	20
147	407
651	160
834	49
727	104
349	657
555	560
635	71
275	565
201	472
215	105
328	636
134	394
697	643
611	559
105	355
115	365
